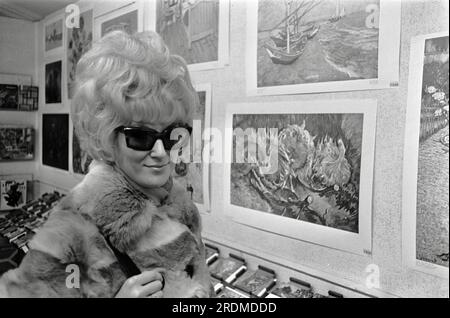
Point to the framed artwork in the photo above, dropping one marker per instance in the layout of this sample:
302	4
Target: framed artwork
53	36
303	170
9	97
256	282
80	159
13	192
22	98
196	30
229	292
55	140
426	166
53	82
28	98
79	40
310	46
194	174
128	18
16	143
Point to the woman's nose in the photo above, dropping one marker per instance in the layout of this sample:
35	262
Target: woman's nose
158	149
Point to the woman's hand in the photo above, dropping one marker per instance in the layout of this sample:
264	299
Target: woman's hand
148	284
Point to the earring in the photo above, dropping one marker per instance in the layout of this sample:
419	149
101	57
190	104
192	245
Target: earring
181	168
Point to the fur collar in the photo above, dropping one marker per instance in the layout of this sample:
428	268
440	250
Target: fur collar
123	212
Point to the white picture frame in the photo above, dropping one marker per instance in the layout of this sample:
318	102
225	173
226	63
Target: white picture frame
318	41
220	37
417	247
53	35
203	150
129	10
359	242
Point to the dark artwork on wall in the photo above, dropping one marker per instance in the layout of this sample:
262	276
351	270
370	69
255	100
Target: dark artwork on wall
53	83
228	292
55	140
16	143
9	96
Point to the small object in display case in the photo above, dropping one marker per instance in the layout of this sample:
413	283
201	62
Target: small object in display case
218	286
228	269
293	289
333	294
28	98
55	140
10	255
9	97
11	236
23	240
53	82
256	282
228	292
211	253
18	226
16	143
7	230
4	222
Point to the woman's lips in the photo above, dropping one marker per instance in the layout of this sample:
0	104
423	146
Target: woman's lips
156	166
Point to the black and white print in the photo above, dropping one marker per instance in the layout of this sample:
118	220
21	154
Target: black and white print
55	140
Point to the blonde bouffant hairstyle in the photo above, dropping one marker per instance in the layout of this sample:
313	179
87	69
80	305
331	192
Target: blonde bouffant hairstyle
124	79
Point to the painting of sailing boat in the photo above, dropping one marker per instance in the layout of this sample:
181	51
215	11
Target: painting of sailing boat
318	182
319	45
426	177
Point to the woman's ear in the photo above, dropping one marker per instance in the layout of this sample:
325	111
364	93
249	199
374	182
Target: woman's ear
110	156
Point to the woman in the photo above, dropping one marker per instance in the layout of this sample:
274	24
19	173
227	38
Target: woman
126	230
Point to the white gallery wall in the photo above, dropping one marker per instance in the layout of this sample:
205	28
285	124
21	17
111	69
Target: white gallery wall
18	56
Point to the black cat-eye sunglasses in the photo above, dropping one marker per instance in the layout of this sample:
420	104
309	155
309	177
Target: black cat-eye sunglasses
144	138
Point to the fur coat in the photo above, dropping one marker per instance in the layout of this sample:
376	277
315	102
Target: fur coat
153	235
